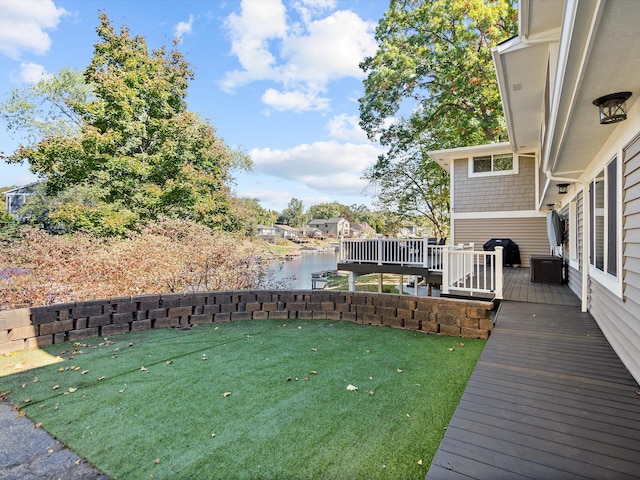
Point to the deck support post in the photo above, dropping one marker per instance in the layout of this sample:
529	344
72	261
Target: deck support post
401	284
380	282
445	271
352	281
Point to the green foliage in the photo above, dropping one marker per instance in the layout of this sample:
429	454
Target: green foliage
293	215
172	419
330	210
44	108
138	147
431	85
253	214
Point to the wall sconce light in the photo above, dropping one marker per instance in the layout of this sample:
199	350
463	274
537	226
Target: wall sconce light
550	206
562	188
612	107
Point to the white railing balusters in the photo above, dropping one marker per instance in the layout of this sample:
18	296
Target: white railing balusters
463	268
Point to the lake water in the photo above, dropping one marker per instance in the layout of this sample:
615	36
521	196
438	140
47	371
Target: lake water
297	272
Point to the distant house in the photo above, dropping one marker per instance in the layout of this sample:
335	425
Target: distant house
311	232
362	230
266	233
286	232
16	198
333	227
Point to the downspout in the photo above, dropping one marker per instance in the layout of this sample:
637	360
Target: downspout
586	209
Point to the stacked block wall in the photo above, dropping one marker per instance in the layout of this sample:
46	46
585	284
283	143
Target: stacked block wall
46	325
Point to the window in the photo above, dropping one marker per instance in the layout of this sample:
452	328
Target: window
604	220
493	165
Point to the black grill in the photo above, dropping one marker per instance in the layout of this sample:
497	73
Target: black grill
510	251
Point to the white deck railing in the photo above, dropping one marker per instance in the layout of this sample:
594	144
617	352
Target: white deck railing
463	269
392	251
466	270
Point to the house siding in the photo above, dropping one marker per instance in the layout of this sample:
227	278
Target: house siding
530	233
495	193
618	317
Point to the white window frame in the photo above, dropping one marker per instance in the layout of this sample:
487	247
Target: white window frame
494	173
607	280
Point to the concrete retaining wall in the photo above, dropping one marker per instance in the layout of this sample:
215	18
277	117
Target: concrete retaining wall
38	326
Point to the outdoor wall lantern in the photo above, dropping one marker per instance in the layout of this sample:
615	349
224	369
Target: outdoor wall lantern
562	188
612	107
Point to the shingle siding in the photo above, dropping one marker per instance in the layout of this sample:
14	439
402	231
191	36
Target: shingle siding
529	233
495	193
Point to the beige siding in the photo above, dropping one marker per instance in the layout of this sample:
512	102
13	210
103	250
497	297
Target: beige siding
530	234
494	193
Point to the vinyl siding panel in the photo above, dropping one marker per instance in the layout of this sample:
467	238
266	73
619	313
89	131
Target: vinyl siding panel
618	317
575	281
495	193
619	323
530	234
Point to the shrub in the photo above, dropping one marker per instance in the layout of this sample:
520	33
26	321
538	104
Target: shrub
164	256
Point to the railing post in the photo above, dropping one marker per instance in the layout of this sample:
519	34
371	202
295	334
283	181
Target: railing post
341	250
380	240
499	277
425	253
445	270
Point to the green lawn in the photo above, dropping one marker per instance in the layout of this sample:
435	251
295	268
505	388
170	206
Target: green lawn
254	399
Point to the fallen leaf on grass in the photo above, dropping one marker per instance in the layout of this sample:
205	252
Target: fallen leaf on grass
121	390
77	462
399	370
314	349
451	349
213	435
352	388
313	372
84	372
204	356
50	451
306	378
4	394
21	413
368	350
26	400
72	389
144	369
420	462
226	394
55	387
56	406
157	460
101	378
289	379
35	379
38	425
169	362
371	393
461	344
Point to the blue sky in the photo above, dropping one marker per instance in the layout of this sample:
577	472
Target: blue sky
278	78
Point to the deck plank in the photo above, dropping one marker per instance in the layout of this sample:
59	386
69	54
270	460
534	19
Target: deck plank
548	398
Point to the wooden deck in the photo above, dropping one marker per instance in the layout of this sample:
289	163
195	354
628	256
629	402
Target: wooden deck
549	399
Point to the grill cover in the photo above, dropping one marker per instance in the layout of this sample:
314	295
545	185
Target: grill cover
510	252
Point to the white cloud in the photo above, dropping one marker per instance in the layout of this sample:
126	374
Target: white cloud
30	73
329	167
302	57
346	127
183	28
23	24
297	101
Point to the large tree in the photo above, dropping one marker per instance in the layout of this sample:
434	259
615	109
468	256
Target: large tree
138	147
431	85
